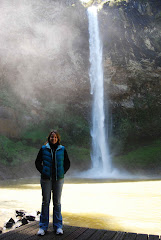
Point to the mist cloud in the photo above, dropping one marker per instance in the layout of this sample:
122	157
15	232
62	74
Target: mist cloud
37	39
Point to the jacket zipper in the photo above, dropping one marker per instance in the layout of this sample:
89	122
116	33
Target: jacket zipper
51	167
56	165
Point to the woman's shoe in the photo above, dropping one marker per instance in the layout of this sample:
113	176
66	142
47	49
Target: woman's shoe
59	231
41	232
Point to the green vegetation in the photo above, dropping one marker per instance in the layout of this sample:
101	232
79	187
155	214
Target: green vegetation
73	128
147	158
129	127
80	157
15	152
140	122
33	129
35	136
74	133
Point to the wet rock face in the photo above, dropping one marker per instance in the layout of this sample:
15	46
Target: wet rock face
55	70
8	122
131	34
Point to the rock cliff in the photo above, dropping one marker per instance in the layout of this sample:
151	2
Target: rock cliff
44	63
131	33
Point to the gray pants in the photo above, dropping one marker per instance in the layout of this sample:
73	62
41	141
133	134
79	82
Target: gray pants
56	189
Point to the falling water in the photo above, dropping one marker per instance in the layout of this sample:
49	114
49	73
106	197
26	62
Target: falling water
100	156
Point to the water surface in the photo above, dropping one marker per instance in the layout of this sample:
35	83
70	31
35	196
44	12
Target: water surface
123	206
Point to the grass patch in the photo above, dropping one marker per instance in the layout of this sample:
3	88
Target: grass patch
79	156
15	152
144	158
36	135
79	152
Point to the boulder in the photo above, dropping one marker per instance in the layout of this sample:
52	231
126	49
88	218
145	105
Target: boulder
20	213
24	221
10	223
30	218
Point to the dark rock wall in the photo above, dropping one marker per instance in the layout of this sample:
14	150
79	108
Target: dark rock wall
131	34
44	64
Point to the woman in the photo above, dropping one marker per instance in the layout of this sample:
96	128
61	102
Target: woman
52	162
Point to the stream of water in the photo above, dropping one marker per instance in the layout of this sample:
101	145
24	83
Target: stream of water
101	162
123	206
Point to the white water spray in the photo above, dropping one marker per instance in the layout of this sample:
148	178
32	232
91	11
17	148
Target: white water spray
100	156
101	162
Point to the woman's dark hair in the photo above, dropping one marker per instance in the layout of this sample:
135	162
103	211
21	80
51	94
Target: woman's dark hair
57	134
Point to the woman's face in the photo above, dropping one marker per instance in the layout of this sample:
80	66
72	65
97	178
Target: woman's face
53	138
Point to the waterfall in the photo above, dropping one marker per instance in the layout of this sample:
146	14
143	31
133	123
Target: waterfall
101	163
